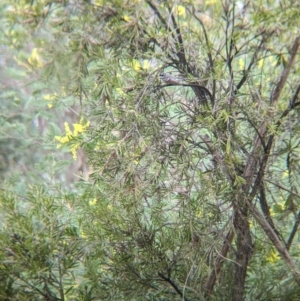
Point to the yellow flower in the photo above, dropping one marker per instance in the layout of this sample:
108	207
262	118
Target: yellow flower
136	65
50	97
181	10
67	128
146	64
74	150
83	234
273	257
62	139
120	91
209	2
199	213
260	63
35	59
241	64
98	2
78	128
93	202
126	18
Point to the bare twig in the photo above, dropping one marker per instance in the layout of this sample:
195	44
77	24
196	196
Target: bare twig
293	232
172	283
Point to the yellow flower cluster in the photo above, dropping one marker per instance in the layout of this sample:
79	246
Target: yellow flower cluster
180	10
93	202
69	136
50	98
137	66
273	257
34	59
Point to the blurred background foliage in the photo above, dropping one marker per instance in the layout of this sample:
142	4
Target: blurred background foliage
117	187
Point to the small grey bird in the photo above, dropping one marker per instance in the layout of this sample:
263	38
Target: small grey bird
170	79
201	92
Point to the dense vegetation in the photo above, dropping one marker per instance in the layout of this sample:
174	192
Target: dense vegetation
117	184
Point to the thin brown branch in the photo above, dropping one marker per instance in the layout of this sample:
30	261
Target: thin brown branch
293	232
266	211
156	11
268	147
172	283
181	51
252	162
253	60
254	127
284	76
209	55
280	247
293	104
283	188
210	282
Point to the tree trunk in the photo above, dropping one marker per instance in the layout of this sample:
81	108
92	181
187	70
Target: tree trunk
243	254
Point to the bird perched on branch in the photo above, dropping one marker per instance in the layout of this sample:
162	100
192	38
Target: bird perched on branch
200	91
170	79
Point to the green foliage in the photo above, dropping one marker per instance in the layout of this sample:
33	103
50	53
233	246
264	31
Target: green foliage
41	246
